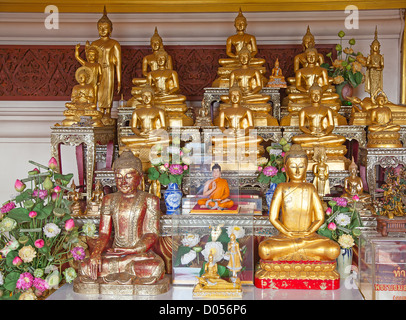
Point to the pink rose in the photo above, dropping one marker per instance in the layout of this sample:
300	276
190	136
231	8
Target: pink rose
69	224
332	226
329	211
32	214
259	168
19	186
355	198
52	164
39	243
17	261
283	154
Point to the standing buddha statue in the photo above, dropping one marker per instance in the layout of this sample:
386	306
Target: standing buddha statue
375	65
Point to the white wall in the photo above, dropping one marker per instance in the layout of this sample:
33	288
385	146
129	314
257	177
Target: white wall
25	126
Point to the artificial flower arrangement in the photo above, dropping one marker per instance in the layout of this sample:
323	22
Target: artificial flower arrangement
195	249
272	169
342	222
170	164
346	69
38	237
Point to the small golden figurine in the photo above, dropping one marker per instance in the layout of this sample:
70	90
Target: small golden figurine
74	196
203	118
321	173
375	65
82	102
382	133
276	79
233	249
94	205
297	256
128	265
210	284
110	60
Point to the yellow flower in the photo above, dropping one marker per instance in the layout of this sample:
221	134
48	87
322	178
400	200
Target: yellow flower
338	79
27	254
337	64
348	50
362	60
356	66
346	241
28	295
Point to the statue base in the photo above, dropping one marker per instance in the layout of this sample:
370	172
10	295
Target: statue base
157	288
310	275
362	118
223	290
292	119
384	139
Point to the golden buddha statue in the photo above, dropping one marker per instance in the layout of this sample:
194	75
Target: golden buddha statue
249	80
82	102
297	252
235	122
321	173
353	185
149	63
306	77
94	205
127	265
165	83
374	65
75	196
210	284
110	60
233	46
317	124
276	79
382	133
92	56
203	118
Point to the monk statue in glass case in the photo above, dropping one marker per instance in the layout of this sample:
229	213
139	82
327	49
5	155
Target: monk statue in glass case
125	263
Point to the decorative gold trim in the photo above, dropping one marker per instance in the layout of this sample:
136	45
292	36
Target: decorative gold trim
137	6
403	70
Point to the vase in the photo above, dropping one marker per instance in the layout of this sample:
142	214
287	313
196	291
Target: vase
344	262
173	199
269	194
344	90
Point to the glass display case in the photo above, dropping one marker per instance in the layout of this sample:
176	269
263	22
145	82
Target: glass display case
195	236
382	266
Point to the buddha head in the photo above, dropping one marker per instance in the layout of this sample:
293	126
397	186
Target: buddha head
161	58
147	94
240	22
379	98
244	56
235	94
92	52
311	55
308	40
315	93
353	168
296	161
216	171
128	172
84	75
104	25
156	41
375	45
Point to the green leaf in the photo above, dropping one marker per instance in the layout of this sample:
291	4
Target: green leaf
11	280
10	257
164	179
325	65
153	173
24	196
19	214
222	271
358	78
325	232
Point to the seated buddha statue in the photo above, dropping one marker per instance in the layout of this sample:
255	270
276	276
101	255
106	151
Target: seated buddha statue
276	79
317	124
149	63
297	213
233	47
249	80
130	218
165	83
353	185
82	100
216	191
235	122
382	133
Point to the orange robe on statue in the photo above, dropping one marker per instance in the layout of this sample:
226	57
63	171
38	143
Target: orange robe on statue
221	192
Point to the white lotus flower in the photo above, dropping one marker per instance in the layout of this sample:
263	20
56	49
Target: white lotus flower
238	231
191	240
343	220
216	248
51	230
188	257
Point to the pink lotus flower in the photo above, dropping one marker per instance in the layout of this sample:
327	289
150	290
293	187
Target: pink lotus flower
54	196
283	154
259	168
17	261
69	224
332	226
270	171
52	164
341	202
283	169
355	198
7	207
185	167
166	165
176	169
329	211
40	284
19	186
57	189
78	253
32	214
39	243
42	194
25	281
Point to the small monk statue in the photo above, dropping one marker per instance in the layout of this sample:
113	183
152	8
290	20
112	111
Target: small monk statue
382	133
134	216
375	65
82	100
276	79
216	191
148	122
353	185
297	213
234	45
321	173
110	60
92	56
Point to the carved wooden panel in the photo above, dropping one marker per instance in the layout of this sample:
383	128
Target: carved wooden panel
48	72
